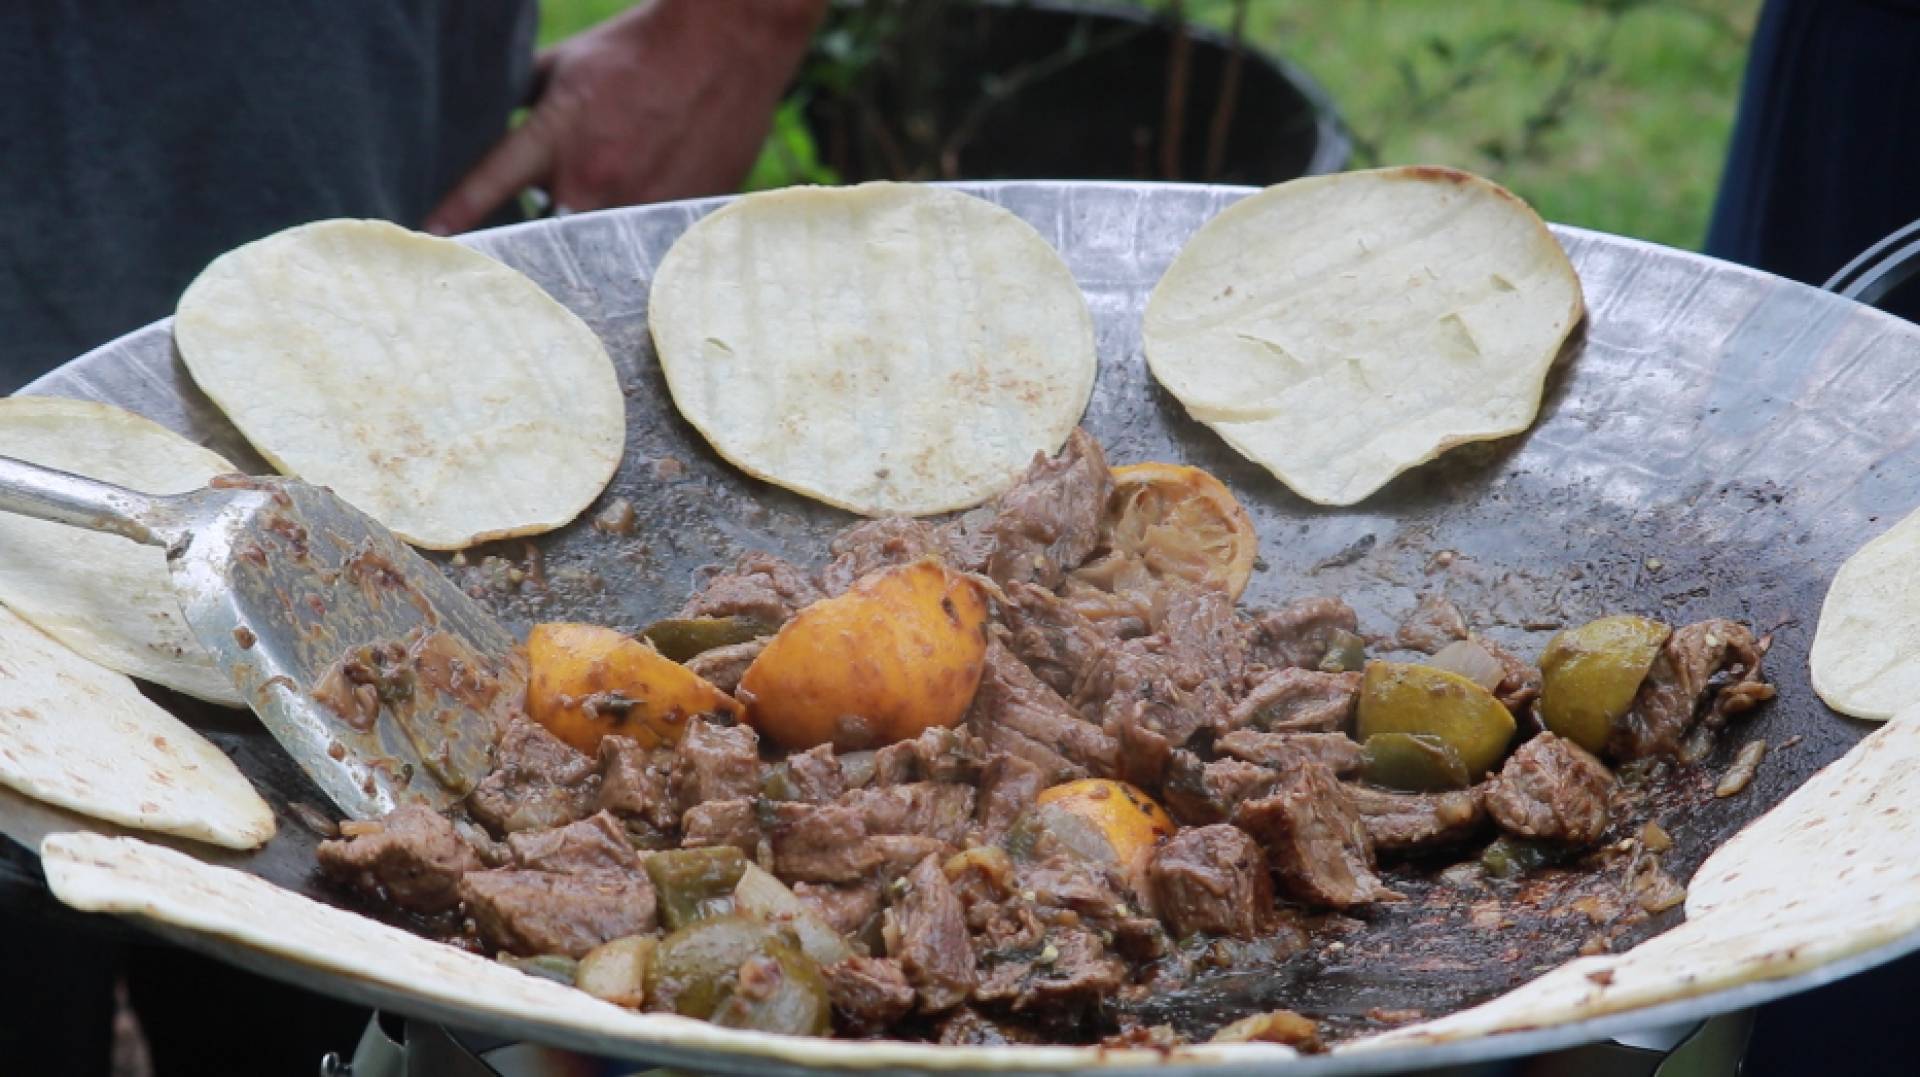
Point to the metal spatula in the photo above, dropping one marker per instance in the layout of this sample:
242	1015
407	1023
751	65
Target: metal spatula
383	680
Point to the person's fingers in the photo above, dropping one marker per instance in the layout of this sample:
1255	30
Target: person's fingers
524	157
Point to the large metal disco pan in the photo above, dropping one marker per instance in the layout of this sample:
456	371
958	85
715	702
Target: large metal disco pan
1715	444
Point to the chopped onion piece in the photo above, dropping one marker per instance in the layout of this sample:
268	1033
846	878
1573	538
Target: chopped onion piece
1472	661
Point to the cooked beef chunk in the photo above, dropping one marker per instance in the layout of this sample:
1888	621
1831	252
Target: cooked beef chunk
938	754
927	933
821	843
539	912
723	822
1207	637
1551	788
1072	970
412	857
1298	700
873	545
1062	647
898	853
1434	623
1043	527
1211	880
1410	823
1057	879
1199	792
1341	753
1298	633
715	762
1014	712
966	1027
1163	689
932	809
1008	786
1314	838
848	909
635	783
1519	684
723	667
813	776
536	782
759	586
869	993
596	843
1680	682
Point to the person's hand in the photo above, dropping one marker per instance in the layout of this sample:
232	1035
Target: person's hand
670	100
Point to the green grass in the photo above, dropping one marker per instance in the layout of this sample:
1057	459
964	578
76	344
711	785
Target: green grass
1630	144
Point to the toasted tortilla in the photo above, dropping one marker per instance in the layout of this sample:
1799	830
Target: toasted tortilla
129	877
109	598
1751	913
1339	330
1865	659
886	348
82	737
434	388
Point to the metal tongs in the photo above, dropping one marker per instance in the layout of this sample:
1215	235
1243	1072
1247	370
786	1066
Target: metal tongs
380	677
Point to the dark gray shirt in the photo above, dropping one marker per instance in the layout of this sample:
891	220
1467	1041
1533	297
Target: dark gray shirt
140	138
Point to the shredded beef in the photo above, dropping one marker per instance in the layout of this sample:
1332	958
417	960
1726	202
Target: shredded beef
1412	823
1072	970
873	545
1211	880
1433	624
967	1027
715	762
1299	633
760	586
1341	753
1043	527
596	843
1297	701
635	783
848	909
723	822
1198	793
1552	789
1062	647
814	776
412	857
1008	786
927	932
932	809
821	843
1315	839
723	667
869	993
538	912
1014	712
938	754
1680	682
536	782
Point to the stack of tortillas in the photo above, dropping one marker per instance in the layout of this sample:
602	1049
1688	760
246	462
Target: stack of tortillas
1341	329
435	389
886	348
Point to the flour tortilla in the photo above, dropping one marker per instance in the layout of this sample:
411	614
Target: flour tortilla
1828	873
434	388
886	348
1866	652
1339	330
82	737
132	878
109	598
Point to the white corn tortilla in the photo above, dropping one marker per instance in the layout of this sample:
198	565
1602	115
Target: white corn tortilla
1339	330
1865	659
1751	913
1750	918
109	598
434	388
886	348
82	737
132	878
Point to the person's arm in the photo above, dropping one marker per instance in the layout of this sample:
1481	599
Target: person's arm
669	100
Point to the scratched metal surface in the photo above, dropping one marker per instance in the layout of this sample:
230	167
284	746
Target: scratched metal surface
1714	444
